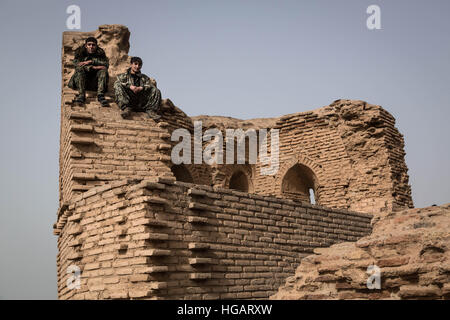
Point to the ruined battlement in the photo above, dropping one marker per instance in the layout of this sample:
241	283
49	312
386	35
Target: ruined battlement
164	239
141	227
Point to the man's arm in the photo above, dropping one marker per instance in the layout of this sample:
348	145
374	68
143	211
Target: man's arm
122	79
104	62
80	62
77	60
148	83
101	60
125	81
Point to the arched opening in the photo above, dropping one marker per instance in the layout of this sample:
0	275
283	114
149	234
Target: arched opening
181	173
300	183
239	181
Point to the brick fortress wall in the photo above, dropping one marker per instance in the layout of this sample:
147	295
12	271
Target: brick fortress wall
350	152
162	239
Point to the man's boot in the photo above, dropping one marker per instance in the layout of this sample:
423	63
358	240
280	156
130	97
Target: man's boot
102	100
125	113
153	115
80	98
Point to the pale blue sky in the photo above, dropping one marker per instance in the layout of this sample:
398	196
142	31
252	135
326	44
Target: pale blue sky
244	59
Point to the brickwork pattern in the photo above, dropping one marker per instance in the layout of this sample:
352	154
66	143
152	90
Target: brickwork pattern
137	234
162	239
410	248
98	147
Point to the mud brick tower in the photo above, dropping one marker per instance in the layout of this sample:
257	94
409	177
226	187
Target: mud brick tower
140	227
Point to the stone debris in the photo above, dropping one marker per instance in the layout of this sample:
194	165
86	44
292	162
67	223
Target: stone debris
411	248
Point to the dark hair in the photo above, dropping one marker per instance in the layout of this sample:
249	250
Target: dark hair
90	39
136	59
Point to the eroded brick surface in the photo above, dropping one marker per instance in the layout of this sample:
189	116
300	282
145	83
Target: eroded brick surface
137	234
410	247
161	239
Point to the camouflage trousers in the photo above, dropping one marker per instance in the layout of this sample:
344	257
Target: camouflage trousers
89	79
146	100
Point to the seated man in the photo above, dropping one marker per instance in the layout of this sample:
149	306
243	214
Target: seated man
91	71
135	91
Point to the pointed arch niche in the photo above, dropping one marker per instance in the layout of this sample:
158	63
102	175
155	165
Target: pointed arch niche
300	183
181	173
240	181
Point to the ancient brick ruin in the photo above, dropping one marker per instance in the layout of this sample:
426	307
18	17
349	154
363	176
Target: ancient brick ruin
140	227
411	248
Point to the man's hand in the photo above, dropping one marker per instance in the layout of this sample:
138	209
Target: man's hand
84	63
98	67
136	89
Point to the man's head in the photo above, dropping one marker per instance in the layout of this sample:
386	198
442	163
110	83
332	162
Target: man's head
91	44
136	64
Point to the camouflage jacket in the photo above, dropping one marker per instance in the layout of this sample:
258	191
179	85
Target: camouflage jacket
126	80
98	58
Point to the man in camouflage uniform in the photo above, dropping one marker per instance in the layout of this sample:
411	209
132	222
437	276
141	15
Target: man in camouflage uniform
137	92
91	71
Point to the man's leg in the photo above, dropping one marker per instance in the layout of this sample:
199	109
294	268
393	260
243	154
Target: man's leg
126	99
122	96
151	102
102	86
80	82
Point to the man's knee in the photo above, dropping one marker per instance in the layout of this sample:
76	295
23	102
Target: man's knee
80	70
149	90
102	73
118	87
